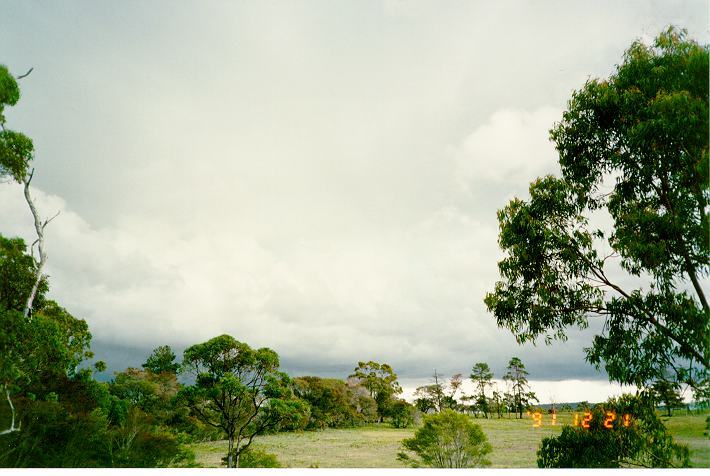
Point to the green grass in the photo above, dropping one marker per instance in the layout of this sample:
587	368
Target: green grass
688	430
515	443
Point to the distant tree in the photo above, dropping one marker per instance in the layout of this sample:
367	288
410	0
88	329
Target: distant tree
152	393
423	402
401	414
333	403
360	398
482	377
498	402
381	381
667	393
643	441
521	395
239	390
162	359
646	127
447	440
455	384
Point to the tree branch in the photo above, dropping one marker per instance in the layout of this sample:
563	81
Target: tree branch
39	229
12	409
26	74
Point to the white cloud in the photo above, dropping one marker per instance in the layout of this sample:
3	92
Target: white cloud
511	147
282	173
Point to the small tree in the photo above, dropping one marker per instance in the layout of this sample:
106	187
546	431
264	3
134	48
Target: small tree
447	440
521	395
482	376
162	359
401	414
498	402
238	390
667	393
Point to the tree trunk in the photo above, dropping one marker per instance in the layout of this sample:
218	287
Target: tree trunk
230	463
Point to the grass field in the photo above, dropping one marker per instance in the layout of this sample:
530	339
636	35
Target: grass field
515	443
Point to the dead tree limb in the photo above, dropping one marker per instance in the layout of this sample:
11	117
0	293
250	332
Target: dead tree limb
12	409
39	229
26	74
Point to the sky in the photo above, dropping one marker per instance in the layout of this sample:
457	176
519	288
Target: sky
318	177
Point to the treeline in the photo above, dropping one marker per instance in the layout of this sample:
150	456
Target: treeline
56	414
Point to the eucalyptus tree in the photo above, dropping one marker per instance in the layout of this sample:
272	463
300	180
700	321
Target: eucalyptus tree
16	153
381	381
239	390
633	147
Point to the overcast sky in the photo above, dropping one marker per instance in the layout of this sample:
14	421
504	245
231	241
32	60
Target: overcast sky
319	177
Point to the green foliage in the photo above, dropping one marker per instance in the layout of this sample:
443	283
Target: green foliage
9	90
482	376
521	396
16	149
644	443
138	442
647	126
401	414
16	152
239	390
667	393
162	359
334	403
53	436
17	275
254	458
447	440
429	397
151	393
381	381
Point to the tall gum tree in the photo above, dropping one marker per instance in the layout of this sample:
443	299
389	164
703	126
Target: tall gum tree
16	153
647	127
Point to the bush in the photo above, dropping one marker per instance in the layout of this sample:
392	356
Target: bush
401	414
643	443
447	440
254	458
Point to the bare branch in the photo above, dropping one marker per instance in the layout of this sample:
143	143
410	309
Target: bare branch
12	409
46	222
26	74
39	229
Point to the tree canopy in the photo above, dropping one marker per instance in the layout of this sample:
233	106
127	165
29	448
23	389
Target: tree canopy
16	149
238	390
633	147
381	381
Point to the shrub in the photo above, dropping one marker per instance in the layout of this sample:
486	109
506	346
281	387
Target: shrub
447	440
254	458
644	442
401	414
